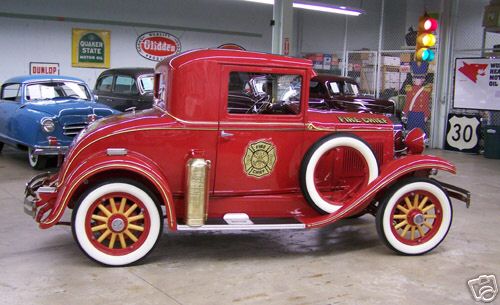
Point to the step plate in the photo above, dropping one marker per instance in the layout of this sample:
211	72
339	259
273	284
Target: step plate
259	224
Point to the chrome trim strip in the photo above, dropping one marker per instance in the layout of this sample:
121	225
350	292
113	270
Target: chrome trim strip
50	150
46	189
291	226
116	151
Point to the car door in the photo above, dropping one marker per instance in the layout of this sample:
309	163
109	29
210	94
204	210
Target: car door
260	147
103	90
125	93
10	105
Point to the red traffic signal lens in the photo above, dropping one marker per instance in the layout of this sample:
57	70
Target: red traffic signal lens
428	24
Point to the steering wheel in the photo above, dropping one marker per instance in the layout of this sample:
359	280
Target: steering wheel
261	105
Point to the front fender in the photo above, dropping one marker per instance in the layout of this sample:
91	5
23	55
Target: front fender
100	163
389	173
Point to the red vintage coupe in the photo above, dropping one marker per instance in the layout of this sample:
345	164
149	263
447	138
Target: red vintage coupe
232	144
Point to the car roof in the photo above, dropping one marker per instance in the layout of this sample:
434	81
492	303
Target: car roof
132	71
41	77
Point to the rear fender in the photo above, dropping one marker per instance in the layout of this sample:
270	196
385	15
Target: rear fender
101	163
389	174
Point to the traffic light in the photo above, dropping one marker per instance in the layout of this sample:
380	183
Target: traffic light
426	38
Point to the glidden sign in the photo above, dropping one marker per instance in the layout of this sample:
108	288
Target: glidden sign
157	45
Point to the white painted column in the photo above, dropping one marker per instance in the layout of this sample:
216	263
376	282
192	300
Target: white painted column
283	27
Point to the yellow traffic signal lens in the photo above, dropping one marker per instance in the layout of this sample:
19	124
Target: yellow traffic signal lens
426	40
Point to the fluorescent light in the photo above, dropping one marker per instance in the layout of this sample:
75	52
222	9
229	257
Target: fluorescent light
318	7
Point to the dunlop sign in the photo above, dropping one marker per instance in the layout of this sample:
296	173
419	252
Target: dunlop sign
90	48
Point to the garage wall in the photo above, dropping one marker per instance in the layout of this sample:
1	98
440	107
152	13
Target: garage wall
26	40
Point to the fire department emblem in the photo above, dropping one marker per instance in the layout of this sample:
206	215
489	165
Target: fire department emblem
259	159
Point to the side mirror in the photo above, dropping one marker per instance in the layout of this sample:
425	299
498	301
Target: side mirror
96	97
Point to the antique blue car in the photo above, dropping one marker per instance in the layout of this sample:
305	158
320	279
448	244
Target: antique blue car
43	113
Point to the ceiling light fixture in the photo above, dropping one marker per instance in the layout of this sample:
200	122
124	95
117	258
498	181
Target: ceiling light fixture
318	7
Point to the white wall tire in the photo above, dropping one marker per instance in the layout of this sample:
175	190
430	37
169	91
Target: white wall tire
414	217
36	161
123	234
315	153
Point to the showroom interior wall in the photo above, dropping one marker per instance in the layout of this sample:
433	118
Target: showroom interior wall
26	40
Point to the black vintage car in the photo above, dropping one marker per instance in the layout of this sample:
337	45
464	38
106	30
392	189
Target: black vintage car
342	93
126	89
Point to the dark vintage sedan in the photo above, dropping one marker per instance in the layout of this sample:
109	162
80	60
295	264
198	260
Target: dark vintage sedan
342	93
43	113
126	89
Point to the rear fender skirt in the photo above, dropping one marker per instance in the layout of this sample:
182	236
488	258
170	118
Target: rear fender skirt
101	162
390	172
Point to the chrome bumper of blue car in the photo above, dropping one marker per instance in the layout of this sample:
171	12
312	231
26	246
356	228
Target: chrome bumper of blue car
51	150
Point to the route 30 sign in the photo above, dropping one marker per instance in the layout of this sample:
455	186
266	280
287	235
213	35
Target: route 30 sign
462	133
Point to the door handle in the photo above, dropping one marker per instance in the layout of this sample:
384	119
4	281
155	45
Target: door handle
224	134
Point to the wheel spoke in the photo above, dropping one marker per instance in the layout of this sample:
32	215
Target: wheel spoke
408	203
412	235
122	240
112	241
122	205
421	231
99	227
400	216
104	210
130	210
104	235
113	205
427	208
401	224
402	209
135	218
130	235
403	234
415	201
423	202
99	218
431	216
428	225
135	227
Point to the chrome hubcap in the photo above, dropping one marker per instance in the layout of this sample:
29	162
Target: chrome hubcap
117	225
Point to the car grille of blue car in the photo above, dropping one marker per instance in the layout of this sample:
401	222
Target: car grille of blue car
72	130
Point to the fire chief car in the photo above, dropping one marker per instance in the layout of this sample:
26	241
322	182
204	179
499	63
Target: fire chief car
232	144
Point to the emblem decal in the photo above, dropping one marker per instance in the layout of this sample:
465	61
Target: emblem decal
259	159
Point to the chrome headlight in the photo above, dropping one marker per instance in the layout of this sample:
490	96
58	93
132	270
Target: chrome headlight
48	124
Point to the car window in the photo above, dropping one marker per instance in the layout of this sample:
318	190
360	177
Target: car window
351	89
146	83
264	93
11	92
54	90
125	84
334	87
105	83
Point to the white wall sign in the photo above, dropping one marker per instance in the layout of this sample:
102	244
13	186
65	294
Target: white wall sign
44	68
462	133
157	45
477	83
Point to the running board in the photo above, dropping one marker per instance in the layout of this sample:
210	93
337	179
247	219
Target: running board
236	222
290	226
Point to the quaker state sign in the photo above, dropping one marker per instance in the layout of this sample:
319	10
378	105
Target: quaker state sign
259	159
90	48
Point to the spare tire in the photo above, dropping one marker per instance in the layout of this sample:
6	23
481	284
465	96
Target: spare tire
318	150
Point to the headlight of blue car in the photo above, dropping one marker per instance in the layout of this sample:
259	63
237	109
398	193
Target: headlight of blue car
48	125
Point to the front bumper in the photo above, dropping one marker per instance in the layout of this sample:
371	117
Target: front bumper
39	196
457	192
51	150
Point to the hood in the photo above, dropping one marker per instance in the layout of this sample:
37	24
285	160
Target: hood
70	107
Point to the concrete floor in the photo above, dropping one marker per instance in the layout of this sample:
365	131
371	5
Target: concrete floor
341	264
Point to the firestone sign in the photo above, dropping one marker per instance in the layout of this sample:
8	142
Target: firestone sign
90	48
157	45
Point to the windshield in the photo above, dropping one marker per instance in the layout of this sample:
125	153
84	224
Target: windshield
56	89
147	82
